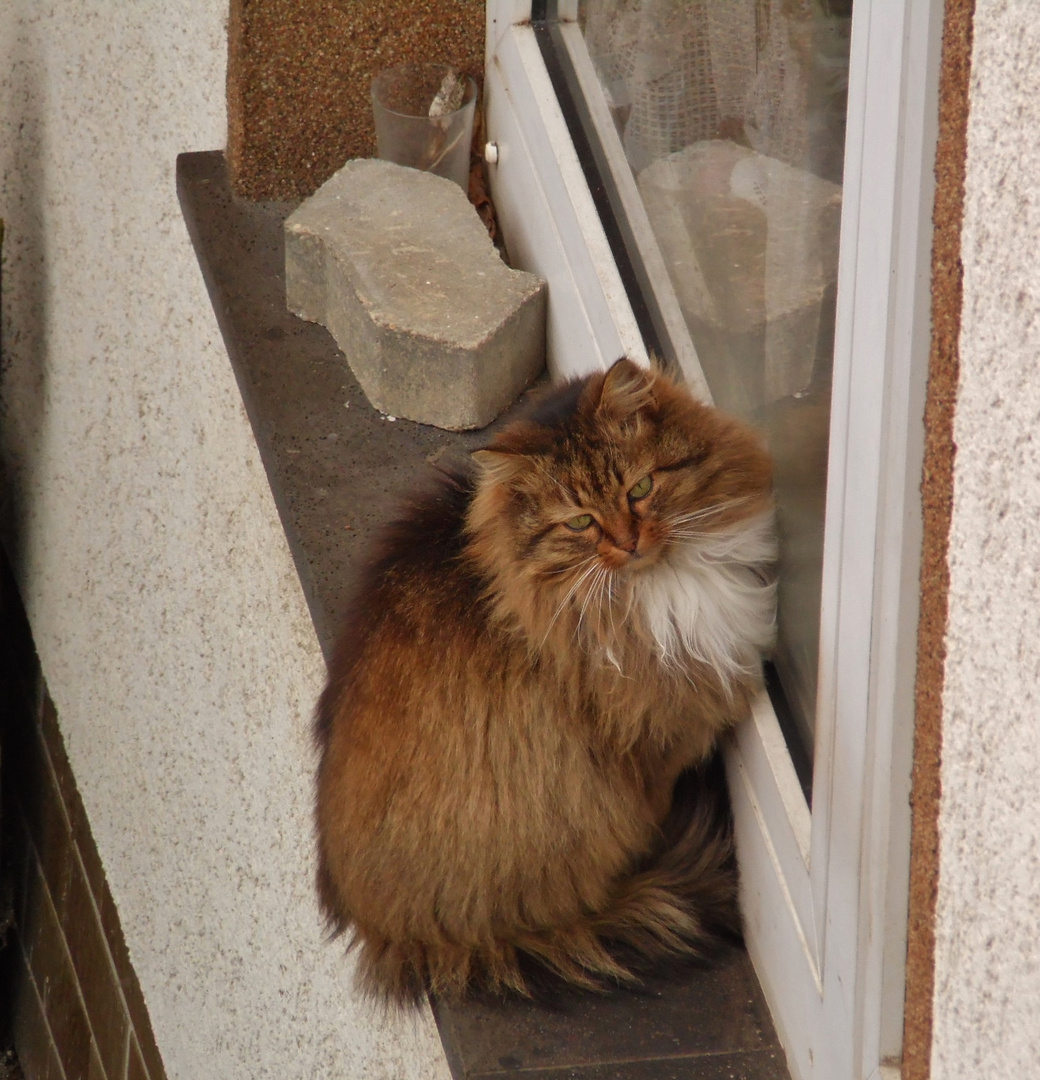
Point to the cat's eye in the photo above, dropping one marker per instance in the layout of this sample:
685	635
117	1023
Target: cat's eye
641	488
582	521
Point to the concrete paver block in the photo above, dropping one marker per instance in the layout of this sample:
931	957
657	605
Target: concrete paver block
398	266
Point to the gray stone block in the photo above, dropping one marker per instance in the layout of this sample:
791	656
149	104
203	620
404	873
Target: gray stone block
399	267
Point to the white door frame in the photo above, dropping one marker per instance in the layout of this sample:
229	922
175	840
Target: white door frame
544	206
824	891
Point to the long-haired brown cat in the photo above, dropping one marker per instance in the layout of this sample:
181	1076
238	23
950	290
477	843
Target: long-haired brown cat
539	651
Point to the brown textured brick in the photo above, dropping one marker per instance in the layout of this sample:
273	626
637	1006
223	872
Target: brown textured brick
33	906
32	1037
37	794
92	867
142	1027
55	979
140	1022
97	976
135	1066
137	1012
56	759
68	1021
52	767
97	1070
20	857
54	744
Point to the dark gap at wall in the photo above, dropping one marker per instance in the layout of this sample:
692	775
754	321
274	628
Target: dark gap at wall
72	1003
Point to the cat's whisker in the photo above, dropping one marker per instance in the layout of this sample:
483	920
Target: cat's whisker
688	523
568	569
601	598
610	607
563	603
604	590
615	637
677	536
709	510
606	601
705	512
575	585
628	605
600	571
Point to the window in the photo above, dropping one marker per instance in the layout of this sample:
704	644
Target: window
728	121
604	193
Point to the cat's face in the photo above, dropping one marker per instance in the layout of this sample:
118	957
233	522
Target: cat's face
610	476
604	505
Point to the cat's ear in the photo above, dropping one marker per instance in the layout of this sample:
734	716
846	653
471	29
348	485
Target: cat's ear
500	464
627	388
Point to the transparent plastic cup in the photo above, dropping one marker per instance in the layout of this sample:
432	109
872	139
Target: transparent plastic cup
424	118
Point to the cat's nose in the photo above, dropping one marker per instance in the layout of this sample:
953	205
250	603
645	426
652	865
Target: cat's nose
622	536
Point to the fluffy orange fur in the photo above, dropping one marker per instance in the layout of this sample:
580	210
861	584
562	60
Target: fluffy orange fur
538	653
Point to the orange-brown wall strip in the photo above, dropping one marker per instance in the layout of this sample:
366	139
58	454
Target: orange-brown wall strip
937	503
299	73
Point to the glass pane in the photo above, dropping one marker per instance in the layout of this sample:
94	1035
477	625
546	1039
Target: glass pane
732	118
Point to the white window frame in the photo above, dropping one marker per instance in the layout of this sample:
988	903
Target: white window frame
824	891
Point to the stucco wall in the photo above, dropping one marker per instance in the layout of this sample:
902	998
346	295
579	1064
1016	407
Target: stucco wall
987	974
170	623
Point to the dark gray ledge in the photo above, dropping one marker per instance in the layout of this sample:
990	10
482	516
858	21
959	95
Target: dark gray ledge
336	467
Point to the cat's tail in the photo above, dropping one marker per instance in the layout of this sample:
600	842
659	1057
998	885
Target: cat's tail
679	906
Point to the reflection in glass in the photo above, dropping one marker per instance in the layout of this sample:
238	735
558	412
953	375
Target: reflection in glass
732	117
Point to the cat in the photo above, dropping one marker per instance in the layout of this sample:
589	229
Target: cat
544	644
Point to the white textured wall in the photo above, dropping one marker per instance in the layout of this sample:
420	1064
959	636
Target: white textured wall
164	604
987	992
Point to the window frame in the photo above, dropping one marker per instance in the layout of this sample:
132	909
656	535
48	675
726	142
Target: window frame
824	890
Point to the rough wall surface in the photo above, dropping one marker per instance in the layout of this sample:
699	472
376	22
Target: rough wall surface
987	969
168	616
299	74
936	508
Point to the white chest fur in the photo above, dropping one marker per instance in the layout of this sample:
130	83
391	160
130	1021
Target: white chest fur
713	599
